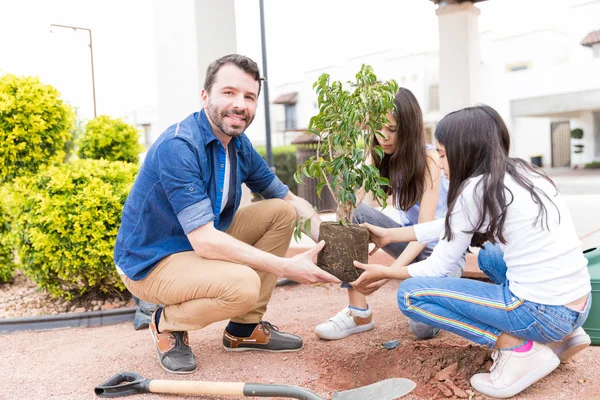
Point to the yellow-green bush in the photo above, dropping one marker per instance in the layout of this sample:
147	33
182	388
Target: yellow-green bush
7	264
110	139
65	220
34	125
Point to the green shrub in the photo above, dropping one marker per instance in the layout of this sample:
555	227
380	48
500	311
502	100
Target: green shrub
7	265
65	220
593	164
35	126
110	139
577	133
284	160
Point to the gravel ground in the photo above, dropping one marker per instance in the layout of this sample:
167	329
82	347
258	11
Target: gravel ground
66	364
21	298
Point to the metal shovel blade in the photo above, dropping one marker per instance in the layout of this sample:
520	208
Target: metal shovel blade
388	389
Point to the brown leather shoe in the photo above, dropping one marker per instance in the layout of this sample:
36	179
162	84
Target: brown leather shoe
265	337
173	350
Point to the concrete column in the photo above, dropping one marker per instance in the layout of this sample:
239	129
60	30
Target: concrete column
190	34
460	60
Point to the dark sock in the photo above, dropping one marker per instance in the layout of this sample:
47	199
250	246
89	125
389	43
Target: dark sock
240	330
157	318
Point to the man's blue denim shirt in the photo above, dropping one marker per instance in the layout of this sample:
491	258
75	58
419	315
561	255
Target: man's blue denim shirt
179	188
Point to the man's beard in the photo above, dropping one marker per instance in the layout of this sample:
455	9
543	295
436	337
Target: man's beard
218	118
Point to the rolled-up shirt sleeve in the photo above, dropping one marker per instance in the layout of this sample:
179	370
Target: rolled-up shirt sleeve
179	174
446	254
262	180
196	215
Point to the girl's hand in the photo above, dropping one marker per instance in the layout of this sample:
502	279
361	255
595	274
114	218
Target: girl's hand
371	279
377	235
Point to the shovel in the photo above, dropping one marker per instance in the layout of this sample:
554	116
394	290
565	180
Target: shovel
126	383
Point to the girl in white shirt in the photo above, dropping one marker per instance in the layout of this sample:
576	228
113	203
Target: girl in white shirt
542	286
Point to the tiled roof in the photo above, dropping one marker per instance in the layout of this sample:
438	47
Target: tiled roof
591	39
455	1
287	98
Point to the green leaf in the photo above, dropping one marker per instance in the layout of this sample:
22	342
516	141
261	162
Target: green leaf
379	151
298	178
320	187
307	224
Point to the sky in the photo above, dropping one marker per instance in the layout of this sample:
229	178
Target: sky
123	49
301	36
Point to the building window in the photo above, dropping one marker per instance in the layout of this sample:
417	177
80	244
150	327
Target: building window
520	66
434	97
290	116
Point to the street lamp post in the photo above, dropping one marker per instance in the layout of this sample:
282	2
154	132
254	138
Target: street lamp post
269	153
75	28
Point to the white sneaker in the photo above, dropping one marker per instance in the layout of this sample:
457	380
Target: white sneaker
346	322
572	344
514	372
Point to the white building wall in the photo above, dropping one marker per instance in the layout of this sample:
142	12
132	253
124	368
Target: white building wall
585	121
557	64
189	35
531	137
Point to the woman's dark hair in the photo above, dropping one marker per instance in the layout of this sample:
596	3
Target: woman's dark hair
244	63
477	143
407	166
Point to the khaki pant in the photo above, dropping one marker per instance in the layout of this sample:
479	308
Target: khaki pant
197	291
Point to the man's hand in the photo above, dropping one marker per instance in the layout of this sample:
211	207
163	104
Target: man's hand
377	235
302	269
371	279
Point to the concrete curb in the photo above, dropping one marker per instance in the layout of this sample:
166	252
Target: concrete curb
71	320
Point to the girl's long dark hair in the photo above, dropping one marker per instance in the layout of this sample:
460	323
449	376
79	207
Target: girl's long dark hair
477	143
407	166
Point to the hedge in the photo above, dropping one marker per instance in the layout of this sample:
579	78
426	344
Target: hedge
110	139
284	160
65	222
593	164
35	126
7	264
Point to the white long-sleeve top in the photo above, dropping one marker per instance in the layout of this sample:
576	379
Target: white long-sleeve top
545	266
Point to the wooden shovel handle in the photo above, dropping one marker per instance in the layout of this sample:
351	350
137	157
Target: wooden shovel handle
197	387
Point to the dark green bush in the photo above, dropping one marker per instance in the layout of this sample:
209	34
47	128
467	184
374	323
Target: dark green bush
577	133
65	222
593	164
284	160
110	139
35	126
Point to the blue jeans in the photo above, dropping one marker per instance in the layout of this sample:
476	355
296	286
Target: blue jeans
481	311
373	216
